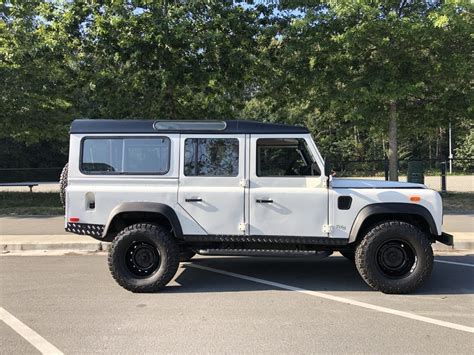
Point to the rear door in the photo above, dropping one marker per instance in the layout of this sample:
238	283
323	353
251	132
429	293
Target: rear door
288	196
211	188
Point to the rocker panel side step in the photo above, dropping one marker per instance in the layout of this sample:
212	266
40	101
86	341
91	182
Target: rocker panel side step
264	252
266	239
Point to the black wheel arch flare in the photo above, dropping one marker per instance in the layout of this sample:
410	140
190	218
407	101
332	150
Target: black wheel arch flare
147	207
391	209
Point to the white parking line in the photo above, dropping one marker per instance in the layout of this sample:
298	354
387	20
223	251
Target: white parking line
28	334
340	299
454	263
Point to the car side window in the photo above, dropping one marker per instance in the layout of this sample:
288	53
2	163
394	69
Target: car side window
125	155
284	157
211	157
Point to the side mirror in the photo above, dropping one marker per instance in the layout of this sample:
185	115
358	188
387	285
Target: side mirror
327	167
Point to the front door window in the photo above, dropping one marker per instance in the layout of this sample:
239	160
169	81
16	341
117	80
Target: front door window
284	157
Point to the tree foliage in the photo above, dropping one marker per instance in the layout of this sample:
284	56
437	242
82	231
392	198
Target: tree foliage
334	66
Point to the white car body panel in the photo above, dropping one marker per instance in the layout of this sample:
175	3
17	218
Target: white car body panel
299	203
302	206
342	220
221	210
109	191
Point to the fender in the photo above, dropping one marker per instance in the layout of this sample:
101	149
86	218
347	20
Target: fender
152	207
391	208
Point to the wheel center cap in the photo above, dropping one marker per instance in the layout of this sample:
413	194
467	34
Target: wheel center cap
394	257
143	258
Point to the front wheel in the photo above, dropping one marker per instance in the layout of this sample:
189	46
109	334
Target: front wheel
394	257
143	258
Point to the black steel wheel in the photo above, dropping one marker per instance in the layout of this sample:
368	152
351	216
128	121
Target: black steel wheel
144	257
394	257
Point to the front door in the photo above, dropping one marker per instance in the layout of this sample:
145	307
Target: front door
288	196
211	188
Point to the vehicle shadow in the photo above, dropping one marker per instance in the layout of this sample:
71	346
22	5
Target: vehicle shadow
334	274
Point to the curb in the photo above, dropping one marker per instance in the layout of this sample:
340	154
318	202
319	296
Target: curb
462	241
73	246
459	246
61	242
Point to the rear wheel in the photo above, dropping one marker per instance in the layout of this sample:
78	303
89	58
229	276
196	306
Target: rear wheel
143	258
394	257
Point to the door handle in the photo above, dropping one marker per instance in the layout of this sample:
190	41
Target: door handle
198	199
264	200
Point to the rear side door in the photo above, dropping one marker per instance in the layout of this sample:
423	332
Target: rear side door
211	188
288	196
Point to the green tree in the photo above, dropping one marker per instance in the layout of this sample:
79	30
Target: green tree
464	153
403	61
356	73
398	67
35	92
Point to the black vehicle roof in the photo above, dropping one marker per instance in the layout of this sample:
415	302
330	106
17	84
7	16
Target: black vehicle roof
82	126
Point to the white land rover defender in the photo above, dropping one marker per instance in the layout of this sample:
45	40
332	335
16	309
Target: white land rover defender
162	191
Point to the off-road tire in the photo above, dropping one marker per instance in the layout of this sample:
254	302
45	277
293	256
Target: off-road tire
366	257
186	255
63	185
156	236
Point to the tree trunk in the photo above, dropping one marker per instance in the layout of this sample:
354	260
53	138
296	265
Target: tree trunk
393	142
437	147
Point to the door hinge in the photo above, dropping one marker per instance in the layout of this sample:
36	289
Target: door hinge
244	183
243	227
327	228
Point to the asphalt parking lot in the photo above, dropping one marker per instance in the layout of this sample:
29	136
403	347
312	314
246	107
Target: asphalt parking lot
232	305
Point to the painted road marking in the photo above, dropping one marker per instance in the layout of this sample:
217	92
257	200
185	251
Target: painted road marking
340	299
28	334
454	263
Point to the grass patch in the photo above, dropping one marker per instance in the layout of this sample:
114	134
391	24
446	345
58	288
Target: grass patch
30	203
458	202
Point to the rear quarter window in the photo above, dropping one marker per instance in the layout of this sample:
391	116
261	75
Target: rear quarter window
125	155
